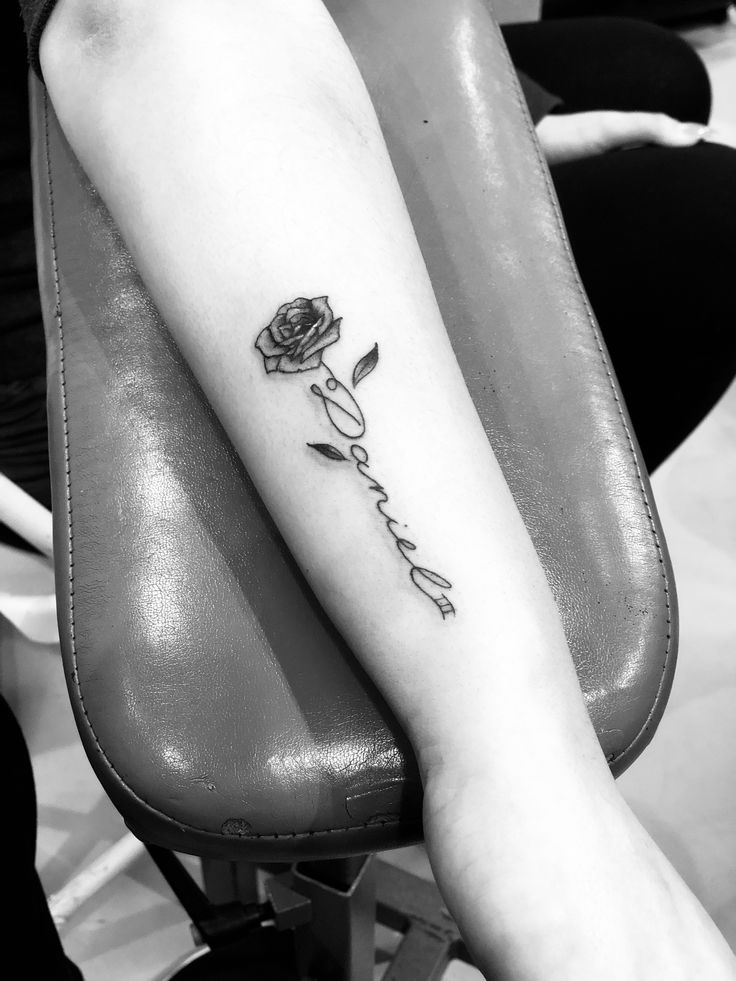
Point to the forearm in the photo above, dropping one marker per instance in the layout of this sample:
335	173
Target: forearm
237	149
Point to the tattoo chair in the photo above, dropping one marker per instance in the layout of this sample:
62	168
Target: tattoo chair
221	710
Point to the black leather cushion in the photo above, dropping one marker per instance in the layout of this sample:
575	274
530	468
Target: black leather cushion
657	11
219	707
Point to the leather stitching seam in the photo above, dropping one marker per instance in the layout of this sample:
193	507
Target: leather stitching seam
552	198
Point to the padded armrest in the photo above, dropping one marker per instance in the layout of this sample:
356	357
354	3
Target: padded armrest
218	705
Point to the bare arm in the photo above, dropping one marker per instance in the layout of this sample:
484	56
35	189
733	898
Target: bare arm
585	134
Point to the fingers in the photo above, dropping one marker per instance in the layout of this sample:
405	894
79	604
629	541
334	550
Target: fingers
622	129
586	134
721	132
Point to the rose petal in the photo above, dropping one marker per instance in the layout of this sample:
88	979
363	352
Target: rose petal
322	309
271	364
313	361
277	328
267	345
288	365
307	338
331	335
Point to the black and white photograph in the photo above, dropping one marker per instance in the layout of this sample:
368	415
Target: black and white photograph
368	490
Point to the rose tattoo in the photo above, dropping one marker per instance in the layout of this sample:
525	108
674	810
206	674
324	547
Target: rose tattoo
295	341
298	334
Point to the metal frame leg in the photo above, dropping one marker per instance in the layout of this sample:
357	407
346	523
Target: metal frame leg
323	915
228	881
338	943
414	906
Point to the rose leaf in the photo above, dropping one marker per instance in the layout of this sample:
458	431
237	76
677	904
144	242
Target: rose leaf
331	452
366	365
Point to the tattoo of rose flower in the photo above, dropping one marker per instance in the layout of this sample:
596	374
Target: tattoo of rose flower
298	334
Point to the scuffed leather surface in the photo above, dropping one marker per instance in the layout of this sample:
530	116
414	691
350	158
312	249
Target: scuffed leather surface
219	707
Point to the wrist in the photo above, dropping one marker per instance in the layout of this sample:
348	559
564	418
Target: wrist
492	741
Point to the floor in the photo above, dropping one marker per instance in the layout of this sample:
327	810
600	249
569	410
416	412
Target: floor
682	788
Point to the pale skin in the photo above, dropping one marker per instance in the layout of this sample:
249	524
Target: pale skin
227	218
573	136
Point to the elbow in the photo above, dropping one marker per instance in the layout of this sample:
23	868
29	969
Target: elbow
90	31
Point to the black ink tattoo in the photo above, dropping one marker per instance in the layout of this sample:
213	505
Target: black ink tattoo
295	341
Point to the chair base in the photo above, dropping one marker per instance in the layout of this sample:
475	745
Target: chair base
266	955
334	905
414	906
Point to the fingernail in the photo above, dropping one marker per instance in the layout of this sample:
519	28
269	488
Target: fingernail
695	131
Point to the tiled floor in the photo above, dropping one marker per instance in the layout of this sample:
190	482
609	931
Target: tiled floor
683	788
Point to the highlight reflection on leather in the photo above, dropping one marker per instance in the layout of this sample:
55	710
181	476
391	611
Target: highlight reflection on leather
220	708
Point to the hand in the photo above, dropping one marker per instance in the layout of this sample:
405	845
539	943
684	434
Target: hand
585	134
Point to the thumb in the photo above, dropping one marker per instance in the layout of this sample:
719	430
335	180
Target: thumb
634	128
